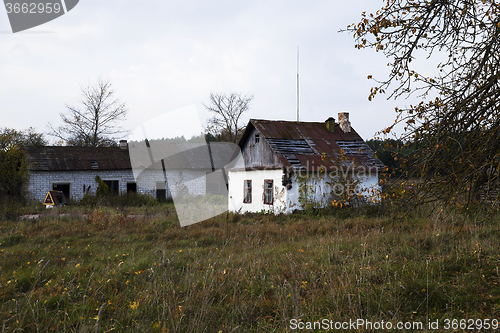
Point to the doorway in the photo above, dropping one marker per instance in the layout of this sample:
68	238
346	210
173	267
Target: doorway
64	188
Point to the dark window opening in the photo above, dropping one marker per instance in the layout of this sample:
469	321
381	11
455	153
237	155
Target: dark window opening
268	192
64	188
247	197
161	191
257	138
113	186
131	187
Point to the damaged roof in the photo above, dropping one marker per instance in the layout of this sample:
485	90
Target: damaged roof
58	158
310	145
184	156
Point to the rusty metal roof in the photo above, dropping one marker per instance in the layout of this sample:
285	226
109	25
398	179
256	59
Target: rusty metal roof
56	158
309	145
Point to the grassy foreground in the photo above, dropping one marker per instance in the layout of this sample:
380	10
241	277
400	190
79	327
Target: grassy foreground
102	270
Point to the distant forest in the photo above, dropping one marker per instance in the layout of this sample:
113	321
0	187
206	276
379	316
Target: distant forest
202	138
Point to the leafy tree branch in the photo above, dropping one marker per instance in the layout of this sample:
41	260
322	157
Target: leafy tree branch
454	127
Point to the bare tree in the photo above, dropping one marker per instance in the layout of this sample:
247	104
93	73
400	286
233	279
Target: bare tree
93	124
228	109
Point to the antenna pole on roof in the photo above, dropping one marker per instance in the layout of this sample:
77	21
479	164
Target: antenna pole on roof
297	83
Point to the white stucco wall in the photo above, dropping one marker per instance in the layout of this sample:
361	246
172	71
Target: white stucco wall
236	191
287	200
321	187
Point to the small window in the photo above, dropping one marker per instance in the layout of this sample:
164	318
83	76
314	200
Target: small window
93	164
113	186
247	198
268	192
257	138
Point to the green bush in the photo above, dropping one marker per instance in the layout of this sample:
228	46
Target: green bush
102	187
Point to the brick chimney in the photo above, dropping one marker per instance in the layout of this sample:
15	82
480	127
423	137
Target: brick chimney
344	122
330	124
123	144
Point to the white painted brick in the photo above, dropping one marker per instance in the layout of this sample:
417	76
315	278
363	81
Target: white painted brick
42	181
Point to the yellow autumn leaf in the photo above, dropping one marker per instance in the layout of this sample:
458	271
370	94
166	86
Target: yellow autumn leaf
134	305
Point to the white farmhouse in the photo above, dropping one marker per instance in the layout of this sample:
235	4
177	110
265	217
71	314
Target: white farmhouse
286	164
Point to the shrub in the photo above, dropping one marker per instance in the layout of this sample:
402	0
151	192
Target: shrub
102	187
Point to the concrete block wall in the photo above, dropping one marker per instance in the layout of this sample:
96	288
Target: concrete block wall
147	179
192	181
42	181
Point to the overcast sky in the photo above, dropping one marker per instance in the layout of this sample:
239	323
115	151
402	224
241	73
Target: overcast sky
163	56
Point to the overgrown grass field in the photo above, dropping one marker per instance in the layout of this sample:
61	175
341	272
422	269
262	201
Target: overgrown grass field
137	270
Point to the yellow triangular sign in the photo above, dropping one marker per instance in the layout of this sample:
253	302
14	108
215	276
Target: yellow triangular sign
48	199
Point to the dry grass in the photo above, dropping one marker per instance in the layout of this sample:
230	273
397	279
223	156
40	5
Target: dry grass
104	270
